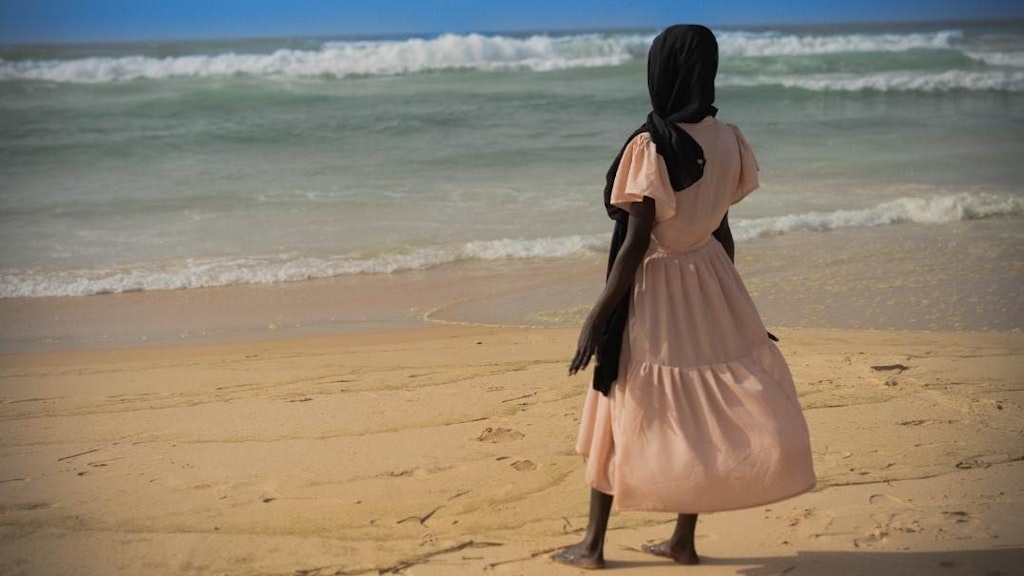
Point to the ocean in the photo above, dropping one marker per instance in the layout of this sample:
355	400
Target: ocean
183	165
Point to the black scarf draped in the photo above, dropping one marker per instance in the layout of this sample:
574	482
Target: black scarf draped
681	68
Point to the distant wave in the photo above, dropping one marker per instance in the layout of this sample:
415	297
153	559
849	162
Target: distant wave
339	59
207	272
896	81
930	210
1010	59
732	44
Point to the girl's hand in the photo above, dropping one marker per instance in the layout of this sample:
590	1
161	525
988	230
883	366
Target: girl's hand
590	336
619	282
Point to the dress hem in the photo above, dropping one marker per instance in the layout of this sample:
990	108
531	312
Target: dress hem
793	494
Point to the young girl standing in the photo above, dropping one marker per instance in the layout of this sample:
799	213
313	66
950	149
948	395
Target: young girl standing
693	408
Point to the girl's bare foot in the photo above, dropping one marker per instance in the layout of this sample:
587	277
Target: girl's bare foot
686	556
580	556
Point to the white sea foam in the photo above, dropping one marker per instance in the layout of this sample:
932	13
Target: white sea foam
206	272
470	51
776	44
895	81
1009	59
225	271
341	59
930	210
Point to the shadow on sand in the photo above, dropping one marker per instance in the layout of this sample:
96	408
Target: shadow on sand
990	562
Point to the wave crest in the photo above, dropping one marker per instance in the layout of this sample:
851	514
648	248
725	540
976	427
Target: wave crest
224	271
982	80
227	271
733	44
930	210
341	59
1008	59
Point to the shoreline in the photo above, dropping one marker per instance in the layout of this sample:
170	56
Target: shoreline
963	276
261	312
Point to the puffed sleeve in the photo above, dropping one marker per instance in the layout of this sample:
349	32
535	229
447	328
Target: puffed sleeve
748	168
642	173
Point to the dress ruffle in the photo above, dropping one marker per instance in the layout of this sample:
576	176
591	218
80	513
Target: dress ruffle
642	174
708	423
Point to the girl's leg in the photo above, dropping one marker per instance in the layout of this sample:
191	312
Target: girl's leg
590	552
680	547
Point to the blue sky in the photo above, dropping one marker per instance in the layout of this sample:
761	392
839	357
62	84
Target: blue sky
113	20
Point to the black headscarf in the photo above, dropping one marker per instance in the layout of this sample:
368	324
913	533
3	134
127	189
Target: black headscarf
681	68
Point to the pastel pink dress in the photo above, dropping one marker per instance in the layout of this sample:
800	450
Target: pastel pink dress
703	416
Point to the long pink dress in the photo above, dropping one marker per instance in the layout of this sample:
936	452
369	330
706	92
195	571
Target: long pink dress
703	416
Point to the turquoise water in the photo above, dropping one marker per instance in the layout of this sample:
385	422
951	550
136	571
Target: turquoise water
180	165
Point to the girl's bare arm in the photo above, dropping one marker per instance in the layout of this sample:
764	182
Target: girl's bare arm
638	238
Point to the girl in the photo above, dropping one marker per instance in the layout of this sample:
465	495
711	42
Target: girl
693	408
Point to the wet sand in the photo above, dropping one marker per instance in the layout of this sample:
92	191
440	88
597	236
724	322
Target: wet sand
960	276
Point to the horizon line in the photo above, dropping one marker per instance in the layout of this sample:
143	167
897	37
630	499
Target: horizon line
520	32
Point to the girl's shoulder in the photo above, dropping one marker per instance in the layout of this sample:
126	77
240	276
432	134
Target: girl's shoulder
731	131
730	126
722	124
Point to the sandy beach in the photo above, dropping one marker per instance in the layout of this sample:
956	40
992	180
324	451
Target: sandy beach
296	304
448	450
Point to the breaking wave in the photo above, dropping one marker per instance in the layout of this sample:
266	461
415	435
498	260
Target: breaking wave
734	44
340	59
224	271
930	210
899	81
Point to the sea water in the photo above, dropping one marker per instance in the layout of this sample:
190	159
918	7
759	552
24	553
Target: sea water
157	166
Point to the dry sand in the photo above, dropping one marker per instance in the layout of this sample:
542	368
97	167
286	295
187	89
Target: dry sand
448	450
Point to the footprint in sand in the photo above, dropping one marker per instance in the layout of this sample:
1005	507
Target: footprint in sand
524	465
876	536
894	369
796	516
972	463
897	368
496	435
958	516
417	472
884	499
926	422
